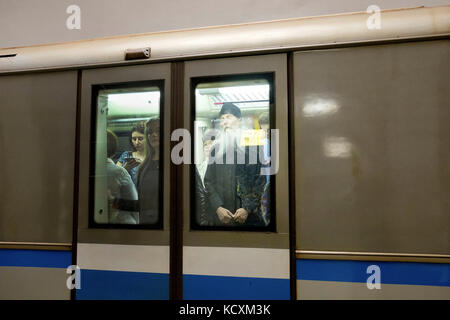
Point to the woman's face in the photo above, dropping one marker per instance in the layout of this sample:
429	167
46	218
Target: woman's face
137	139
153	134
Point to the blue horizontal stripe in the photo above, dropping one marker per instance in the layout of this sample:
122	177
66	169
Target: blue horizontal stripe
35	258
407	273
202	287
122	285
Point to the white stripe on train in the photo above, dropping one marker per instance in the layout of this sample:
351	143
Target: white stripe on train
131	258
236	262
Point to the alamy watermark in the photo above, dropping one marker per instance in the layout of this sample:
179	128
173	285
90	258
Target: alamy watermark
228	147
74	280
374	280
74	20
374	20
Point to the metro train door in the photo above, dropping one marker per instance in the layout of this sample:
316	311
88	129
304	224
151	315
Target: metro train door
123	233
240	254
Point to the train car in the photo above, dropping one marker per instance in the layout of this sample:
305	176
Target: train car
353	123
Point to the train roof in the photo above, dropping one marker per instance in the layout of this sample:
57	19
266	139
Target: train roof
260	37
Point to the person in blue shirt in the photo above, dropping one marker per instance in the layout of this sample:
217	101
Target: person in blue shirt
148	180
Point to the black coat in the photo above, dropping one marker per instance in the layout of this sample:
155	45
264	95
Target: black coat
201	202
149	193
221	185
221	189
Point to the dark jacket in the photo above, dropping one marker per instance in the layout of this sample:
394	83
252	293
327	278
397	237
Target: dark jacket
221	189
149	193
221	184
201	203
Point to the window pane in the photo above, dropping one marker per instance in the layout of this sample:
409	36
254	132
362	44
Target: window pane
232	147
127	174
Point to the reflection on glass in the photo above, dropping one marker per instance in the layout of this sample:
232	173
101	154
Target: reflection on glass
318	107
127	188
232	120
337	147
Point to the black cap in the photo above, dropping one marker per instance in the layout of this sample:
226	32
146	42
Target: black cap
230	108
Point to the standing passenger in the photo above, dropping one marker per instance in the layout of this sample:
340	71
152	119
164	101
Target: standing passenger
222	177
119	185
130	160
201	203
148	181
207	143
264	123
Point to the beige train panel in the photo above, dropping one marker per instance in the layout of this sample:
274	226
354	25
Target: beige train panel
113	257
372	148
276	63
331	290
19	283
37	136
236	262
121	75
283	34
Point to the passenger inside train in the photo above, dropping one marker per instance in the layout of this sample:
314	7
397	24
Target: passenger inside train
227	114
120	185
232	144
207	139
132	129
148	175
130	160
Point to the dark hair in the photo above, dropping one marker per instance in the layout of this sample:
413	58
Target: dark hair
230	108
111	143
140	127
149	152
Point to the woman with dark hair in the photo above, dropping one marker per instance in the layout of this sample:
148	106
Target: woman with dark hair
130	160
148	182
148	175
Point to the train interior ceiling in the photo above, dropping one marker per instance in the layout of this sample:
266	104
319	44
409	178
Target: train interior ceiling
124	110
127	108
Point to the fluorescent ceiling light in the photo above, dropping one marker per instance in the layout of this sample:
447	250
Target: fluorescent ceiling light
260	89
133	103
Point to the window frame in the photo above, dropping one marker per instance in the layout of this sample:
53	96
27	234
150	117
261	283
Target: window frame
194	82
95	90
